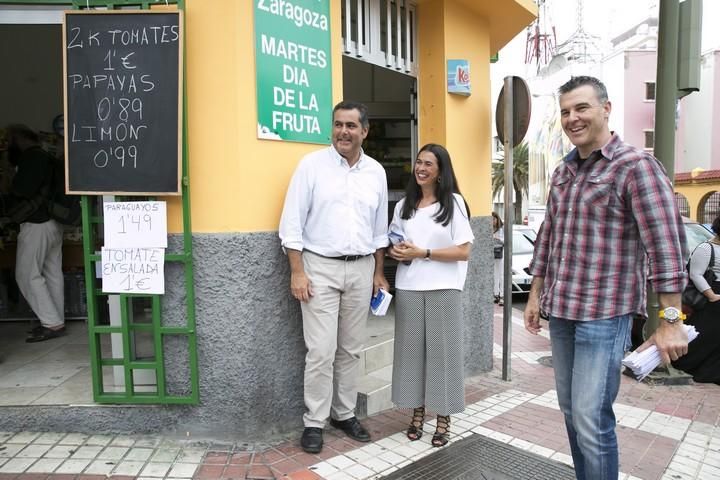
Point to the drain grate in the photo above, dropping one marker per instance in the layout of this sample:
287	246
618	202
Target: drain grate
480	458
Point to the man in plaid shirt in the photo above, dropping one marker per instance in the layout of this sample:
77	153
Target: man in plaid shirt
611	213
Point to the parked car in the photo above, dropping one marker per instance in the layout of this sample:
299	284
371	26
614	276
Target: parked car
522	253
526	230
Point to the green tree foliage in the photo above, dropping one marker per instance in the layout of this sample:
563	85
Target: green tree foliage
520	179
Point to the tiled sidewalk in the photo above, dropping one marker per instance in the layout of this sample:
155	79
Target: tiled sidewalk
664	433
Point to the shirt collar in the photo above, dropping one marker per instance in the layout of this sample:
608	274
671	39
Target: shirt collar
342	161
607	150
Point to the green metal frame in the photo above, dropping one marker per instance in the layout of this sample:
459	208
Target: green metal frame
128	328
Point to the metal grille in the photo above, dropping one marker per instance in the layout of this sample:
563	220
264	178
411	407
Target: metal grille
709	208
381	32
682	204
478	458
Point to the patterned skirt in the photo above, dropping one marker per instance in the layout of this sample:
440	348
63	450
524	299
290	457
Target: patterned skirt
428	359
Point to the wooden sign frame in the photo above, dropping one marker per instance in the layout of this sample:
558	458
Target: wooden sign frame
180	105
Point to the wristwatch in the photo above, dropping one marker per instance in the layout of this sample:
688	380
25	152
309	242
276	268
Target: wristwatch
671	314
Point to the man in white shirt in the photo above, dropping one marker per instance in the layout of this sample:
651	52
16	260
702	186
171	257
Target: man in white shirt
334	231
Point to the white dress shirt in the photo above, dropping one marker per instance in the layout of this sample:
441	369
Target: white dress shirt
333	209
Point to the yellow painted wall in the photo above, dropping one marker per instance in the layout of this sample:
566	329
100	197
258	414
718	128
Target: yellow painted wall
454	29
696	194
237	182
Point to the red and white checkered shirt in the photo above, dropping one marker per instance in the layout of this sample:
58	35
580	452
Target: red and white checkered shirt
606	217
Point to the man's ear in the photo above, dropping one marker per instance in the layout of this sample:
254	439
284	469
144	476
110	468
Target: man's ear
607	108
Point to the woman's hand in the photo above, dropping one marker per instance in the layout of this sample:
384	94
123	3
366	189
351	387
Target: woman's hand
406	251
714	297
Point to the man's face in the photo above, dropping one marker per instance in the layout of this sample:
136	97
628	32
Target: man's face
585	119
348	133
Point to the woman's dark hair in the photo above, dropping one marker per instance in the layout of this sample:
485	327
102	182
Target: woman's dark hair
499	221
716	226
446	186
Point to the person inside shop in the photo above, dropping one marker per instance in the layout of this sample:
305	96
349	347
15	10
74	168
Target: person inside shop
38	264
334	231
498	247
428	368
611	211
703	358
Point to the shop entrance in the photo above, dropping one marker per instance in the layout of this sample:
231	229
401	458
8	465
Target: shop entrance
115	346
392	140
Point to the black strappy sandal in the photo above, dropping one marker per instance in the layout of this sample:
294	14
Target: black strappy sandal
415	430
442	432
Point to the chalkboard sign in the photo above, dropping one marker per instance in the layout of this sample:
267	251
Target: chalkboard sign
123	121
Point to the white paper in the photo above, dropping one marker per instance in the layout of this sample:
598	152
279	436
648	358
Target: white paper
133	270
380	303
642	363
135	224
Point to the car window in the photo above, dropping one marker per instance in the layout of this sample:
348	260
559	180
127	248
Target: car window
696	234
521	245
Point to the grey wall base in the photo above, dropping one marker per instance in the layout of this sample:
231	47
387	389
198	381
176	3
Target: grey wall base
250	346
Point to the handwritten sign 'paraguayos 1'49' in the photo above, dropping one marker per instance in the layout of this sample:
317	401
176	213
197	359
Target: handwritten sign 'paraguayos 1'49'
122	101
135	224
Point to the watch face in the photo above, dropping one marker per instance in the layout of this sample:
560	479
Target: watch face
671	313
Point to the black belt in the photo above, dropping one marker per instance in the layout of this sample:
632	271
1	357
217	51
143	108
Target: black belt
344	258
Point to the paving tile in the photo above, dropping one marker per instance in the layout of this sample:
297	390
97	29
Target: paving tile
45	465
101	440
191	455
33	451
73	466
9	450
184	470
49	438
209	471
287	466
155	469
259	472
129	468
99	467
86	452
165	455
112	453
75	439
232	472
60	451
122	441
17	465
23	437
139	454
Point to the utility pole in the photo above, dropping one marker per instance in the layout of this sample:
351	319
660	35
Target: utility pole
678	44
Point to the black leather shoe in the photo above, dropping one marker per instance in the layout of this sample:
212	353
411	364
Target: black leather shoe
312	440
352	429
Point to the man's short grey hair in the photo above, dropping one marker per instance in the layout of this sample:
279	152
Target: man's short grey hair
581	81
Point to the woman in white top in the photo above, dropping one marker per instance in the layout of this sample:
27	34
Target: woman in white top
433	222
703	358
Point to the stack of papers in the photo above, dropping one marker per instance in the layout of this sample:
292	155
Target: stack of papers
642	363
379	303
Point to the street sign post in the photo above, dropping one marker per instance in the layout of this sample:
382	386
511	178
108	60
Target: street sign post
512	117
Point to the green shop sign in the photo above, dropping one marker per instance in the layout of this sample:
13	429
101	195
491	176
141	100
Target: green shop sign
292	65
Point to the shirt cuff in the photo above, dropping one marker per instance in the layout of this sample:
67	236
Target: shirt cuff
292	245
674	283
381	242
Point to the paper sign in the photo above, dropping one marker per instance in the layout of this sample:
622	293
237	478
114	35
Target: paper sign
135	224
133	270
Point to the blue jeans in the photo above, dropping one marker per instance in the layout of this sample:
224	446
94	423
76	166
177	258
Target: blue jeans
587	360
